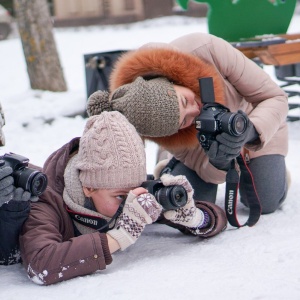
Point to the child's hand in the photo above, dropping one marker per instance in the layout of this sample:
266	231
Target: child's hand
138	191
140	209
188	215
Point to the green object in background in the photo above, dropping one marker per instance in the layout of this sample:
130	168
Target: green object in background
234	20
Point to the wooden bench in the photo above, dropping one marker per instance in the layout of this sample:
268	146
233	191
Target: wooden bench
283	52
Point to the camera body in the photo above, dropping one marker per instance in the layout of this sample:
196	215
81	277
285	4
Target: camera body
215	118
29	179
169	197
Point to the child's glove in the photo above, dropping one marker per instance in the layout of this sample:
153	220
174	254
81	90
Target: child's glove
188	215
137	213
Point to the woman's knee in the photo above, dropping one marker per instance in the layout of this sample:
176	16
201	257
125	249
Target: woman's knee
270	181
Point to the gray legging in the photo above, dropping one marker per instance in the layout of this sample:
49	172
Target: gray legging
269	173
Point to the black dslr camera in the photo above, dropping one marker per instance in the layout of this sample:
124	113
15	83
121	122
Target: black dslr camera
30	180
215	118
169	197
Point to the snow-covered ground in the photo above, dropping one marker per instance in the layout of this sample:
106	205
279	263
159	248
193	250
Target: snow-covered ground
261	262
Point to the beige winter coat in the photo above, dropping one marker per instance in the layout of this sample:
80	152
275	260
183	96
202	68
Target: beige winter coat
239	84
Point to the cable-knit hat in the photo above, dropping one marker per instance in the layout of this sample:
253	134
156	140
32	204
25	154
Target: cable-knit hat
150	105
111	153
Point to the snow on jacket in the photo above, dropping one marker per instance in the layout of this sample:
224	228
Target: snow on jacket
239	83
49	248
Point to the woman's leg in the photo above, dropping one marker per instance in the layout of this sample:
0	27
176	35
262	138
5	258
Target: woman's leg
270	178
202	190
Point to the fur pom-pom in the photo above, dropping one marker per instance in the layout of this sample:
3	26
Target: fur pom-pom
98	102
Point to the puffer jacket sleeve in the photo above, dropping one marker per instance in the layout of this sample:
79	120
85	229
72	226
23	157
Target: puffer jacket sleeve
50	251
218	221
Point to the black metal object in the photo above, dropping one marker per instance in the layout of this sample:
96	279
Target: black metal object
290	75
98	67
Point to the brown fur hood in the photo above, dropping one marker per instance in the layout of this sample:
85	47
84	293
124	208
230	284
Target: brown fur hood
180	68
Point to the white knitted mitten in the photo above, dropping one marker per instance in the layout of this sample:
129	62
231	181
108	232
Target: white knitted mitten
137	213
188	215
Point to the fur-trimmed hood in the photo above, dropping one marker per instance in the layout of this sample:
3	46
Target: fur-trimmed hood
178	67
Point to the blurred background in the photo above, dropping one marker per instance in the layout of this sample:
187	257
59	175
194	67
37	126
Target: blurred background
67	13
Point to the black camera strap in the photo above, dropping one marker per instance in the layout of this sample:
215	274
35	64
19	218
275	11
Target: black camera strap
231	194
94	222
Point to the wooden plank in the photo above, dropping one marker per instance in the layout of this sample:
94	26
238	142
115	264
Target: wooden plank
293	36
278	60
266	57
288	59
250	53
277	54
284	48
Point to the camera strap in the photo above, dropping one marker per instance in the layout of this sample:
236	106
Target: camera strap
231	194
94	222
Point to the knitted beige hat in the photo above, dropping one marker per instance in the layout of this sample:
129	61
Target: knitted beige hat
111	153
150	105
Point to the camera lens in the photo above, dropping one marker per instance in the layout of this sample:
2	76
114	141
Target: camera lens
31	180
171	197
178	196
238	124
38	184
233	123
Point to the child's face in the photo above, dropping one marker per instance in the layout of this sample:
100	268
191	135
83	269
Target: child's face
188	106
108	201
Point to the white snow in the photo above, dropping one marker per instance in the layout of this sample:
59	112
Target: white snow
262	262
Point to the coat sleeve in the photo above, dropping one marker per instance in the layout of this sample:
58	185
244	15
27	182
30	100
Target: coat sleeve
218	221
52	255
12	216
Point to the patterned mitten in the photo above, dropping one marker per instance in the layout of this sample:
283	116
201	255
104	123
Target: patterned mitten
188	215
137	213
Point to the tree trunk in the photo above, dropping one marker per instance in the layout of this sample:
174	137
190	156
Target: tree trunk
35	28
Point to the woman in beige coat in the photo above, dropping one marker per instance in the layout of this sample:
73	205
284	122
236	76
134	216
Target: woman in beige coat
156	87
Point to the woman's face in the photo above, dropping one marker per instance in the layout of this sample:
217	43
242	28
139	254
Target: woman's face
188	106
107	201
